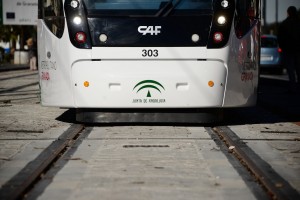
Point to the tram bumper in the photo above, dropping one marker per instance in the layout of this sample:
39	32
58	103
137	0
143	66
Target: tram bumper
149	84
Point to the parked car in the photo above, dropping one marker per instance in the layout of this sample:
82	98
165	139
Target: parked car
270	54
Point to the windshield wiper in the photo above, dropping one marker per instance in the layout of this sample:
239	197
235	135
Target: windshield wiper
167	8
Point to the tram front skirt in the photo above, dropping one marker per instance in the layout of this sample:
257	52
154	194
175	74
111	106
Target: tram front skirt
211	115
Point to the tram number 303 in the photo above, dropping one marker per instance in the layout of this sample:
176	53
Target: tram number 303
149	52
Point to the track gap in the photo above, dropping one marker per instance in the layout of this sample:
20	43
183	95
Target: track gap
34	171
273	184
64	158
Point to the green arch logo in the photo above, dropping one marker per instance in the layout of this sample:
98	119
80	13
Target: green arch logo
148	84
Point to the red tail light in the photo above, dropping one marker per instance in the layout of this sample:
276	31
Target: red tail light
218	37
279	50
80	37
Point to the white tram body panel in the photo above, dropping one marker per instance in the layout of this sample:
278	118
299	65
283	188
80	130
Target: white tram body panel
243	70
181	84
120	77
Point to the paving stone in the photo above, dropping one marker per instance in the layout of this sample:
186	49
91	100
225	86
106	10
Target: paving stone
122	168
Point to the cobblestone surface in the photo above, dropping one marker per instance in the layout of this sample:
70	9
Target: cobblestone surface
143	162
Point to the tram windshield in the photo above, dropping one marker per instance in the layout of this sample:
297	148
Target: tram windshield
148	7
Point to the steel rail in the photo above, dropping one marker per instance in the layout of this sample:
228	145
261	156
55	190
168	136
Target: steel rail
18	185
275	186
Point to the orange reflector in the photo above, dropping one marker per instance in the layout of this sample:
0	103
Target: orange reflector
211	83
86	84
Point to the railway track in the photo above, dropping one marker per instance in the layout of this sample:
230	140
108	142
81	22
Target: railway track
24	181
32	180
272	183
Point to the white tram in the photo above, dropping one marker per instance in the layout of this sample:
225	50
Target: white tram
148	60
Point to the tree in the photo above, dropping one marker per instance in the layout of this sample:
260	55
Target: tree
10	33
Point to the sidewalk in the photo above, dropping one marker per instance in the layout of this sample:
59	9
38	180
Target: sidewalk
8	67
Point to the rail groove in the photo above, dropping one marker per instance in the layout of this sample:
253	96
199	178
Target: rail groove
275	186
17	186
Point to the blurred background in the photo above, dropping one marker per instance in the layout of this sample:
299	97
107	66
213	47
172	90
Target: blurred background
18	25
274	12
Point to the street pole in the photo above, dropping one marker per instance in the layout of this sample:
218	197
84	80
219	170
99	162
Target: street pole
276	16
263	14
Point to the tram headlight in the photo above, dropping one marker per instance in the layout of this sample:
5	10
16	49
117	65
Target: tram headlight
80	37
221	20
224	4
74	4
77	20
195	38
218	37
103	37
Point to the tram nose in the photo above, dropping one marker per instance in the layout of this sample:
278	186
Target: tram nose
146	84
